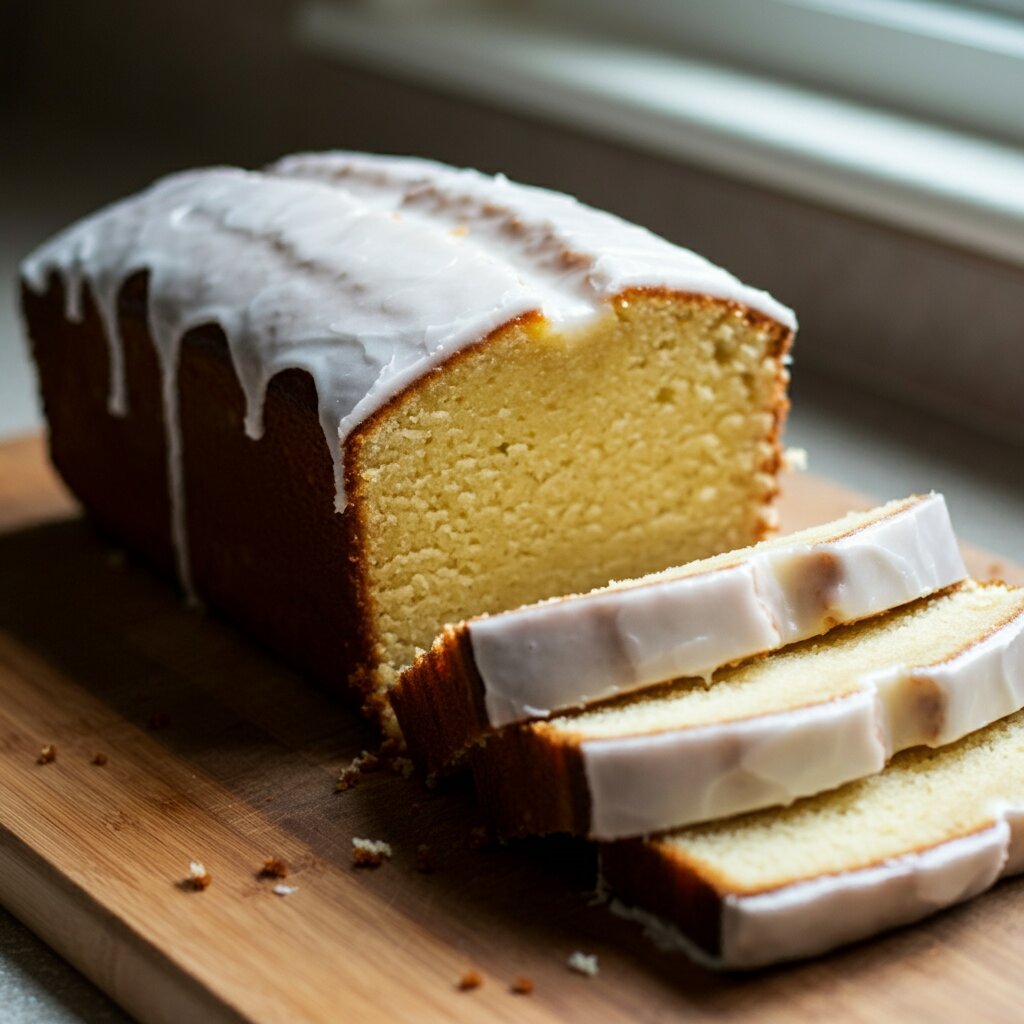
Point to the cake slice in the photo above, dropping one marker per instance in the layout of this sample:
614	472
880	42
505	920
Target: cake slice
491	671
797	722
935	828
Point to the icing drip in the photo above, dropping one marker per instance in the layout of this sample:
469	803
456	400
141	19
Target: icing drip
364	272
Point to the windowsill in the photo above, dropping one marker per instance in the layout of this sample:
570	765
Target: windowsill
938	183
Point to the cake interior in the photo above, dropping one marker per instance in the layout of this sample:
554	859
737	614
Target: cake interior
925	797
924	633
846	525
543	462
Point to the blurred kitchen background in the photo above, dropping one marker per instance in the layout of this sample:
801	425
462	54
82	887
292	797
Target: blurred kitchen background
861	159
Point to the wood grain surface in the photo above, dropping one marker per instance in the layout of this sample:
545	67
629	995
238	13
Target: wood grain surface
218	753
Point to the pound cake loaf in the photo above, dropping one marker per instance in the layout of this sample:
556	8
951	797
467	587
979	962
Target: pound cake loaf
796	722
351	398
495	670
935	828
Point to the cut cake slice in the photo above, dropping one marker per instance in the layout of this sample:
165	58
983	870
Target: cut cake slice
935	828
797	722
492	671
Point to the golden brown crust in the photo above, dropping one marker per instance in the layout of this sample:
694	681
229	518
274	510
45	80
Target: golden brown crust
641	874
531	782
289	576
115	466
439	702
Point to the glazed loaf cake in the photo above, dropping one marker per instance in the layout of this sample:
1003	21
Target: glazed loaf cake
351	398
935	828
796	722
496	670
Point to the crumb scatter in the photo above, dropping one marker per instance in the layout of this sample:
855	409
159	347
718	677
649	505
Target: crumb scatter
100	760
48	754
522	985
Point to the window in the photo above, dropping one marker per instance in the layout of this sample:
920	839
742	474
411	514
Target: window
905	111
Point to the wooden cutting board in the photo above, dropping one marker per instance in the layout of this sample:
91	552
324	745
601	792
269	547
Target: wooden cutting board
218	753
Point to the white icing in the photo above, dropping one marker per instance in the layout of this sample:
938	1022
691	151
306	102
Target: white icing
365	272
941	703
649	782
548	657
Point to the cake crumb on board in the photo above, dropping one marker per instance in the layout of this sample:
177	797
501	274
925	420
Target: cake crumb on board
583	963
274	867
362	764
100	760
198	877
522	985
370	853
48	754
470	980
